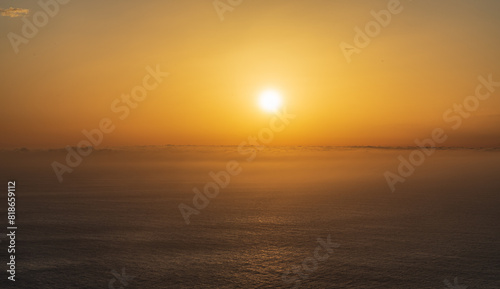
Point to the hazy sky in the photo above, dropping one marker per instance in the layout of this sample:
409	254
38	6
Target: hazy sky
429	56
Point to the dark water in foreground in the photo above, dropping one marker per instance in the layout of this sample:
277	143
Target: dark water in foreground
119	209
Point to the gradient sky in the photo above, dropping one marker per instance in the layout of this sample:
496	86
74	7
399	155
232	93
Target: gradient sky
396	90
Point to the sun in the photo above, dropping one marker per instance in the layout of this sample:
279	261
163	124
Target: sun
270	100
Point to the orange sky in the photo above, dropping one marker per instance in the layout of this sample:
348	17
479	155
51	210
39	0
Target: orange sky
427	59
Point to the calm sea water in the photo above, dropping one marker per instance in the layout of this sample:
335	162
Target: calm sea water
119	211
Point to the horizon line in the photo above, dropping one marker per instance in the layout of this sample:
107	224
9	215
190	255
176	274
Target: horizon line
24	148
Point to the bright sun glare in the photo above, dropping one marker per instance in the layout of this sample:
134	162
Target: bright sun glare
270	100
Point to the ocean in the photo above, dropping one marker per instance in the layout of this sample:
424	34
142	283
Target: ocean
293	217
